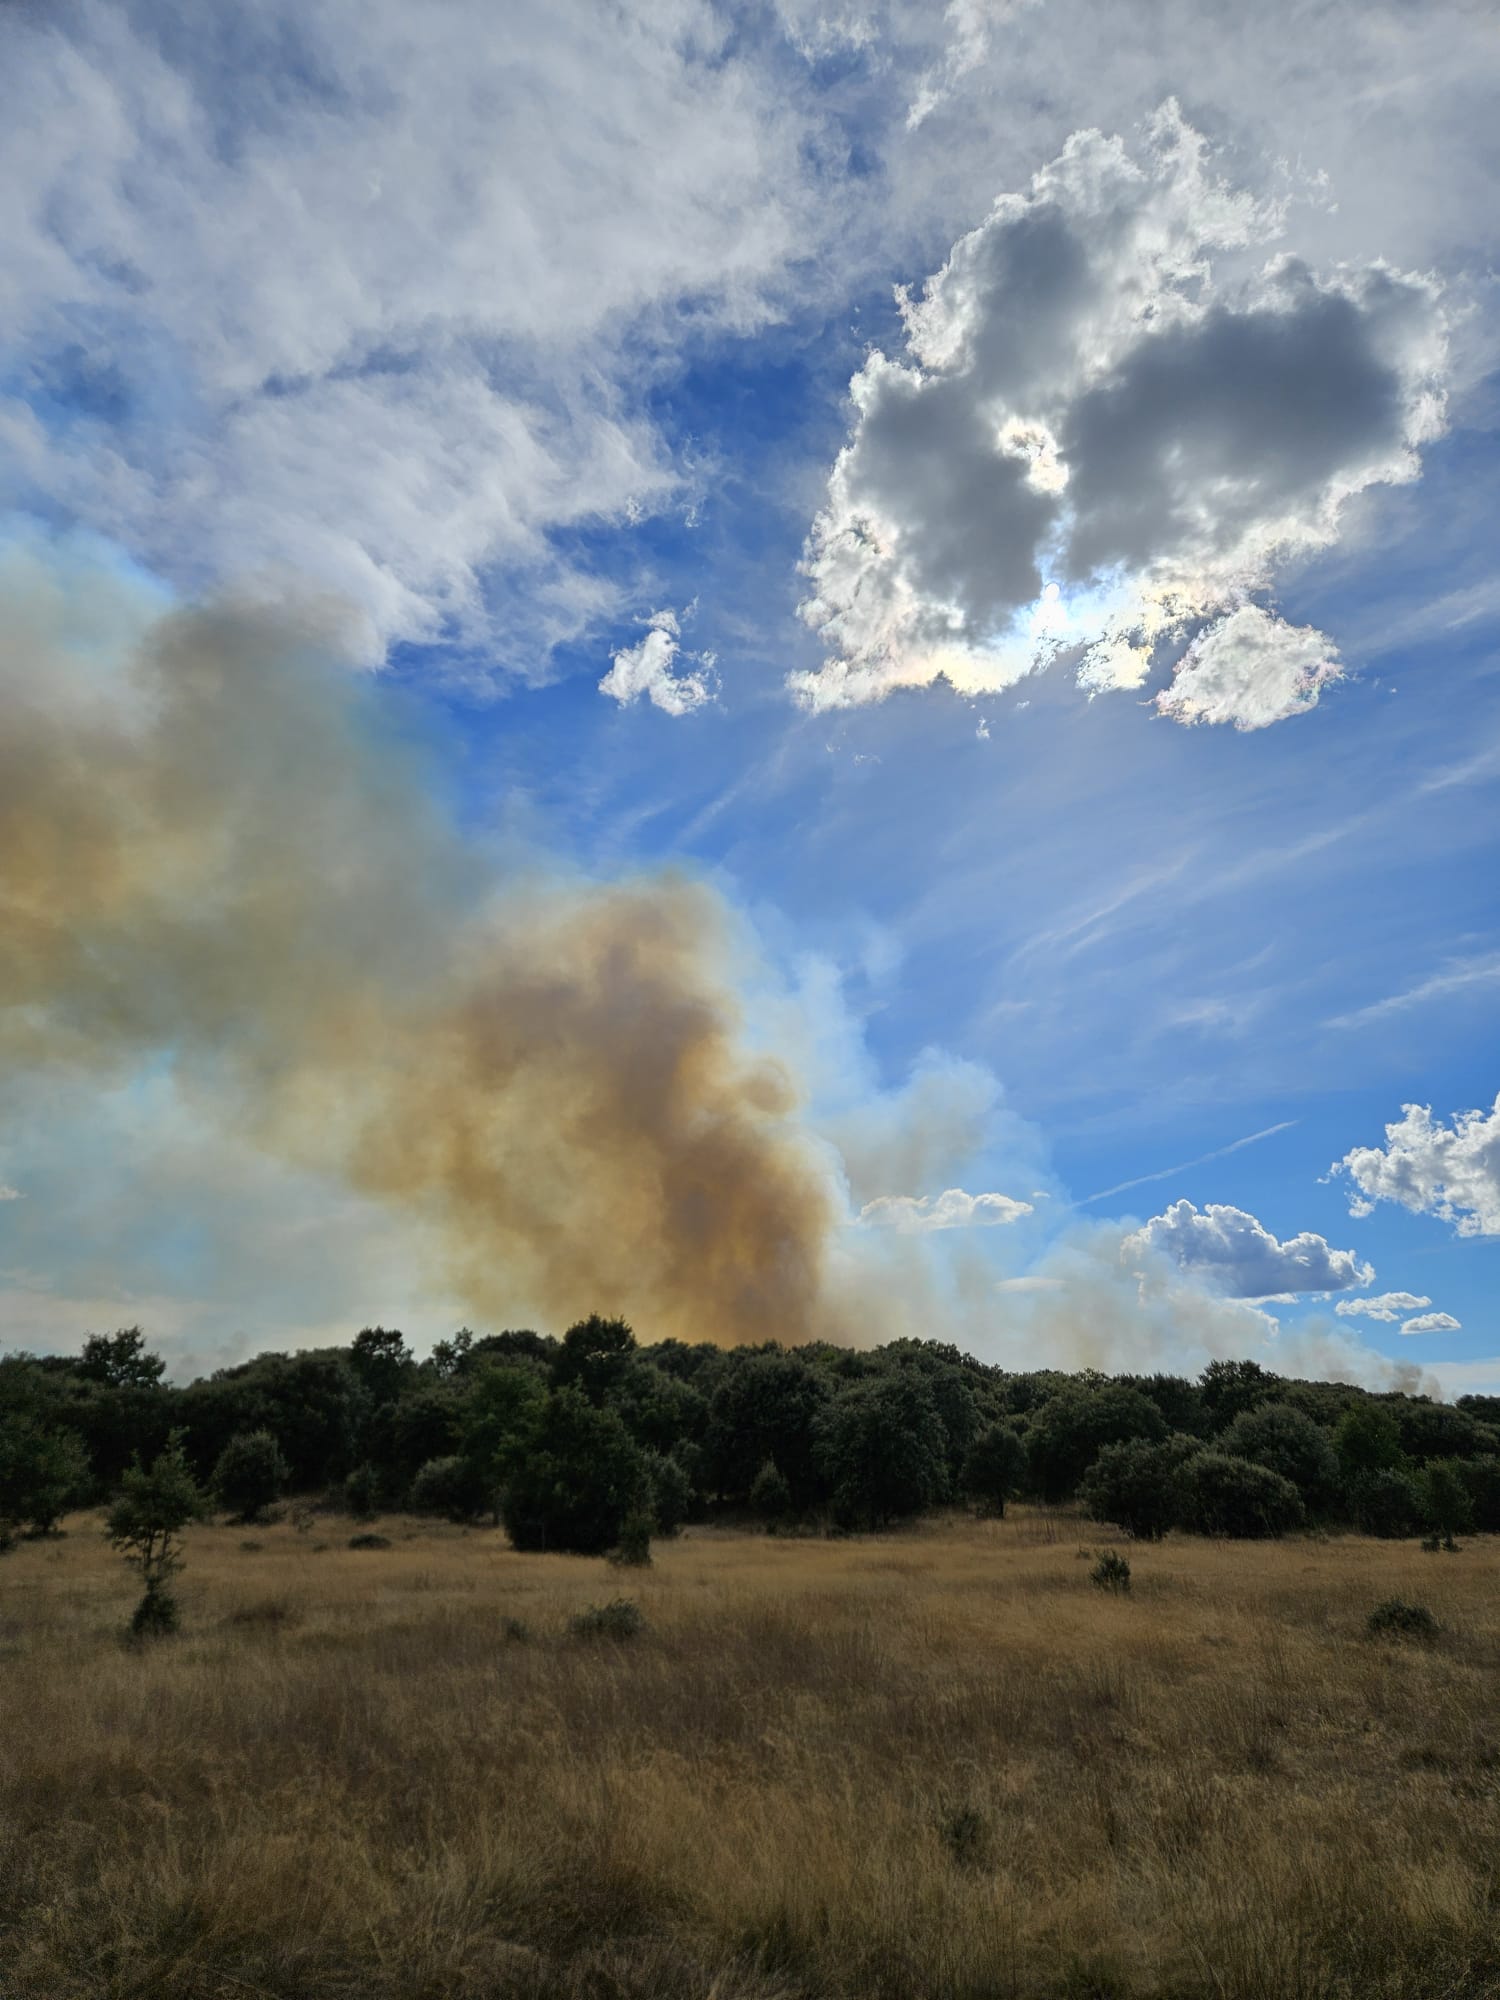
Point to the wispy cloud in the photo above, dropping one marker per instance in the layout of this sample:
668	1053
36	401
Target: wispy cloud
1457	979
1166	1173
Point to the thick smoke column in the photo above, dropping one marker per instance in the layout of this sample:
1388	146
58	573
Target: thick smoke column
223	857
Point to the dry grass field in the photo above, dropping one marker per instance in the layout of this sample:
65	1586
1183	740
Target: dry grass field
934	1764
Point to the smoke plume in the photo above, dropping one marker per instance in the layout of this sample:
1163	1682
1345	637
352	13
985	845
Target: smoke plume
222	856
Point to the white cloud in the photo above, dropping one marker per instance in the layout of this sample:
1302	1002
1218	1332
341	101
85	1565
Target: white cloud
1459	977
649	670
1386	1306
1451	1171
1111	425
1432	1323
336	292
953	1209
1250	669
9	1193
1238	1253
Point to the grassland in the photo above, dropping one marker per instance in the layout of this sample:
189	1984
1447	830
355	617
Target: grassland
935	1764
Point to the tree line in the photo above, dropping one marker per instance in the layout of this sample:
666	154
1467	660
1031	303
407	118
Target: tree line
593	1440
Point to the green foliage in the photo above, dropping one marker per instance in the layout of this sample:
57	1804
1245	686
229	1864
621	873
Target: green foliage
369	1541
1231	1387
362	1492
452	1487
1447	1499
770	1496
502	1413
1386	1502
882	1449
42	1473
1069	1431
250	1475
595	1356
768	1405
120	1360
145	1524
382	1361
1285	1441
1135	1485
993	1468
1220	1495
1368	1440
619	1619
671	1492
633	1550
1111	1572
1396	1619
578	1478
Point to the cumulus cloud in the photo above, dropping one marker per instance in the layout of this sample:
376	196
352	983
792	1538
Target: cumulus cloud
953	1209
1450	1171
649	670
1432	1323
1386	1306
321	292
1116	416
1239	1254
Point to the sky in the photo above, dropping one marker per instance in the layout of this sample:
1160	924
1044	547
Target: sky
805	671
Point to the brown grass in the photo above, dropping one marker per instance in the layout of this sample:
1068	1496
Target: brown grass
936	1765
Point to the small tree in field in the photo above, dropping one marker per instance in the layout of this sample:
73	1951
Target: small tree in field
994	1466
250	1474
145	1524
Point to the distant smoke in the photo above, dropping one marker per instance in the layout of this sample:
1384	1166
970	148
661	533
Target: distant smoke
226	857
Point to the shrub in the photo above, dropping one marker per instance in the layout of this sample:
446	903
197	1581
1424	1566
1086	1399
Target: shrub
1387	1502
883	1450
578	1477
452	1487
514	1631
770	1496
42	1472
1396	1619
362	1492
633	1551
619	1619
1070	1430
1219	1495
249	1475
671	1491
966	1833
1134	1485
1111	1572
1447	1497
1287	1442
993	1468
145	1524
369	1541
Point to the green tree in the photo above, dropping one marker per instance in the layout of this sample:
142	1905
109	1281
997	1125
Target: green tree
250	1475
576	1479
42	1472
883	1450
993	1468
1134	1484
1069	1431
768	1405
1287	1442
1230	1387
453	1487
1220	1495
770	1496
595	1355
671	1492
120	1360
383	1362
1448	1499
145	1524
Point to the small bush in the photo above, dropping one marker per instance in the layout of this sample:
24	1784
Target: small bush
634	1550
362	1492
251	1548
369	1541
1111	1572
514	1631
966	1834
770	1495
619	1619
452	1487
156	1616
1396	1619
250	1474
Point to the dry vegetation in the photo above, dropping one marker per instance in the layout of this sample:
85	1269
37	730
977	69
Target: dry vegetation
935	1764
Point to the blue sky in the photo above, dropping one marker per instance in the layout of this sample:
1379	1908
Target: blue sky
1089	729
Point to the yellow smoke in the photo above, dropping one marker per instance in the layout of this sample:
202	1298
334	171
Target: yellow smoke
219	851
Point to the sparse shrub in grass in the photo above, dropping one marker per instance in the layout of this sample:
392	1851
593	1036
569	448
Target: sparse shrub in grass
514	1631
249	1475
1111	1572
633	1550
362	1492
771	1496
145	1524
251	1548
619	1619
368	1541
1396	1619
967	1835
1094	1978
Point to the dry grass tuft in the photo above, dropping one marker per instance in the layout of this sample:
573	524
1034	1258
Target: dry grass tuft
938	1765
